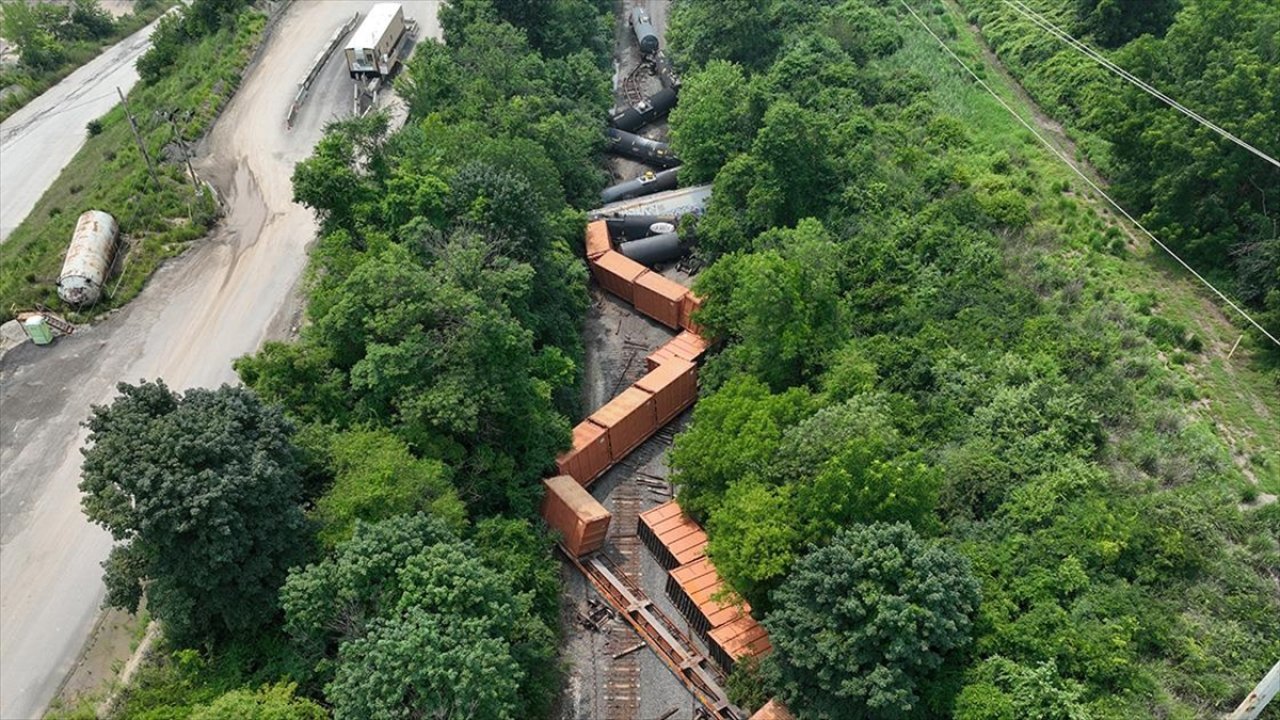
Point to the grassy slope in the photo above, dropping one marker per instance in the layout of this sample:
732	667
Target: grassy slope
1238	395
109	174
34	83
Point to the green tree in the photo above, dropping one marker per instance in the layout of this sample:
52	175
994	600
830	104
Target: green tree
711	124
413	622
734	433
376	477
89	20
270	702
335	180
1115	22
781	306
754	538
862	626
740	31
858	485
439	355
29	28
424	664
1001	689
201	492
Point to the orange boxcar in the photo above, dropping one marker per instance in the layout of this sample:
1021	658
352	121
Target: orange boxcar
694	588
773	710
732	641
630	417
687	346
672	537
589	456
674	385
570	510
617	273
597	239
660	298
691	303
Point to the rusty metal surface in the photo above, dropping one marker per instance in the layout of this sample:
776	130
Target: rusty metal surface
661	634
88	258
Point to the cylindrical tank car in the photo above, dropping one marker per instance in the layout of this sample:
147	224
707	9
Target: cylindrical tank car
642	26
634	227
654	249
88	258
646	184
640	148
654	107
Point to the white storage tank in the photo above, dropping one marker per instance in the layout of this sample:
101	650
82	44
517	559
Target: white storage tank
88	259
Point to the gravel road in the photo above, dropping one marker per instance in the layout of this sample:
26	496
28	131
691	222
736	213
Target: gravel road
220	300
37	141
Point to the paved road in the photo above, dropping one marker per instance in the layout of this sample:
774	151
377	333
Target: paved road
218	301
40	139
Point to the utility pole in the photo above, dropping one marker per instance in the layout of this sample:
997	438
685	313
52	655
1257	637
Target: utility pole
138	137
1257	700
186	154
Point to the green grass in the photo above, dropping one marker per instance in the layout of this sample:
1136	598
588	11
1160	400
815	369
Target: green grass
34	82
157	221
1238	395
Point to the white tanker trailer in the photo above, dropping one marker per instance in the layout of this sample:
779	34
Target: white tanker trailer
372	50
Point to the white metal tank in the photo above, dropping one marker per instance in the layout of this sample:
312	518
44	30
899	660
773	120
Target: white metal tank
88	259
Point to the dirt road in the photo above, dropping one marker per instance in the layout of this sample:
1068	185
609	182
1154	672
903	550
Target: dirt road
39	140
217	302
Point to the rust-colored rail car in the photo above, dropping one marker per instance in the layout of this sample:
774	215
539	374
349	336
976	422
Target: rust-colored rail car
570	510
617	273
773	710
673	537
661	634
630	418
694	588
597	239
659	298
690	304
732	641
687	346
674	385
589	456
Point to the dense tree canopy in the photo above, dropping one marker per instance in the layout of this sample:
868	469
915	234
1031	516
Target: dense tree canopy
377	477
202	492
922	326
862	626
422	624
739	31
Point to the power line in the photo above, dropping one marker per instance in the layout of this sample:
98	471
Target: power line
1044	141
1044	24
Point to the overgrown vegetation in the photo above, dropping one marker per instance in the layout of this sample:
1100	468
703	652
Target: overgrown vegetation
53	40
157	217
924	325
1213	201
428	392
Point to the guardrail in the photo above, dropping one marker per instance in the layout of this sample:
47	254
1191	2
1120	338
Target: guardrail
316	65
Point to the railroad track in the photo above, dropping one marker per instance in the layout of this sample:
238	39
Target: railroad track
660	633
632	84
622	692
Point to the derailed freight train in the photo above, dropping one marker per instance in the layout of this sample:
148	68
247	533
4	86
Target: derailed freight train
646	184
638	147
642	26
649	110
